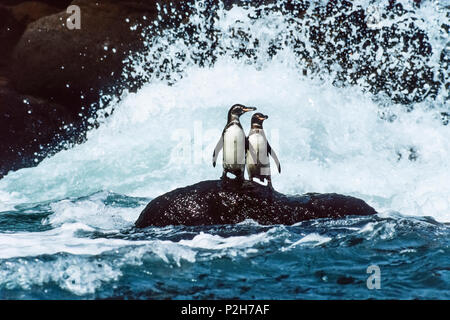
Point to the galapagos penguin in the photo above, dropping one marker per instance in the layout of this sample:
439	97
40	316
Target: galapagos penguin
233	142
258	151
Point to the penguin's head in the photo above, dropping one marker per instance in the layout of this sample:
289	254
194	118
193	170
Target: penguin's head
258	119
238	110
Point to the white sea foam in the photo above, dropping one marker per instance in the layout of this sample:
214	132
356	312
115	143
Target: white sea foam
74	274
330	140
94	213
383	230
58	240
84	270
312	239
215	242
8	199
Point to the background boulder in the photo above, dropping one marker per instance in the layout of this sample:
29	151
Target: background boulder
28	125
60	72
73	66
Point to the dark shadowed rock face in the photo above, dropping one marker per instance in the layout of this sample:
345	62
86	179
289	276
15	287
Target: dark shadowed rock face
51	77
28	125
211	202
10	31
72	67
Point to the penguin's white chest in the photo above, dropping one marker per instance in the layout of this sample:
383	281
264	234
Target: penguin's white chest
234	146
257	151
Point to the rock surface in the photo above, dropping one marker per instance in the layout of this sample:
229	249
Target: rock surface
213	202
28	125
59	71
10	31
72	66
30	11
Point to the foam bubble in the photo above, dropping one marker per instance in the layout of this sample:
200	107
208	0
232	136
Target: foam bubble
312	239
7	200
215	242
74	274
94	213
61	239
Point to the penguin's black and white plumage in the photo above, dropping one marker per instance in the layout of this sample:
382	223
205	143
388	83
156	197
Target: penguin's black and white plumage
233	142
258	151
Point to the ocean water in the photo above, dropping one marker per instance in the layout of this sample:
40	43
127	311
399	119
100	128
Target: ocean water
67	225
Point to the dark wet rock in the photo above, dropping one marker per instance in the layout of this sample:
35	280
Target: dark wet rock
72	66
14	17
29	11
60	71
54	3
10	31
211	202
28	125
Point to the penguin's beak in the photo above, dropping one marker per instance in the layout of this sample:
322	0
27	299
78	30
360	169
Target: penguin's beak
263	118
247	109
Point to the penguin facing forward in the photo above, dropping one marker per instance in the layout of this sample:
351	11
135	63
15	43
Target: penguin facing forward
258	151
234	143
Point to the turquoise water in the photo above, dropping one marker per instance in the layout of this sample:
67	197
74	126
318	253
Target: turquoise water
321	259
67	225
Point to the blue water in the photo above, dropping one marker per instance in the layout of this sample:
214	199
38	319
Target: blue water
320	259
67	225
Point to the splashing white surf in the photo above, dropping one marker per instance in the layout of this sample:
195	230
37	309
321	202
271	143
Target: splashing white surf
330	140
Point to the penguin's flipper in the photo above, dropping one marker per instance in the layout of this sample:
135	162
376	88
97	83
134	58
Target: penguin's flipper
217	149
274	156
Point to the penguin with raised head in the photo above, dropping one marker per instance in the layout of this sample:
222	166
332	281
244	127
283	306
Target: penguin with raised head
234	143
258	151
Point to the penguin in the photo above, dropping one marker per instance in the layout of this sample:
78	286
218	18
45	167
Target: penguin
258	151
233	142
